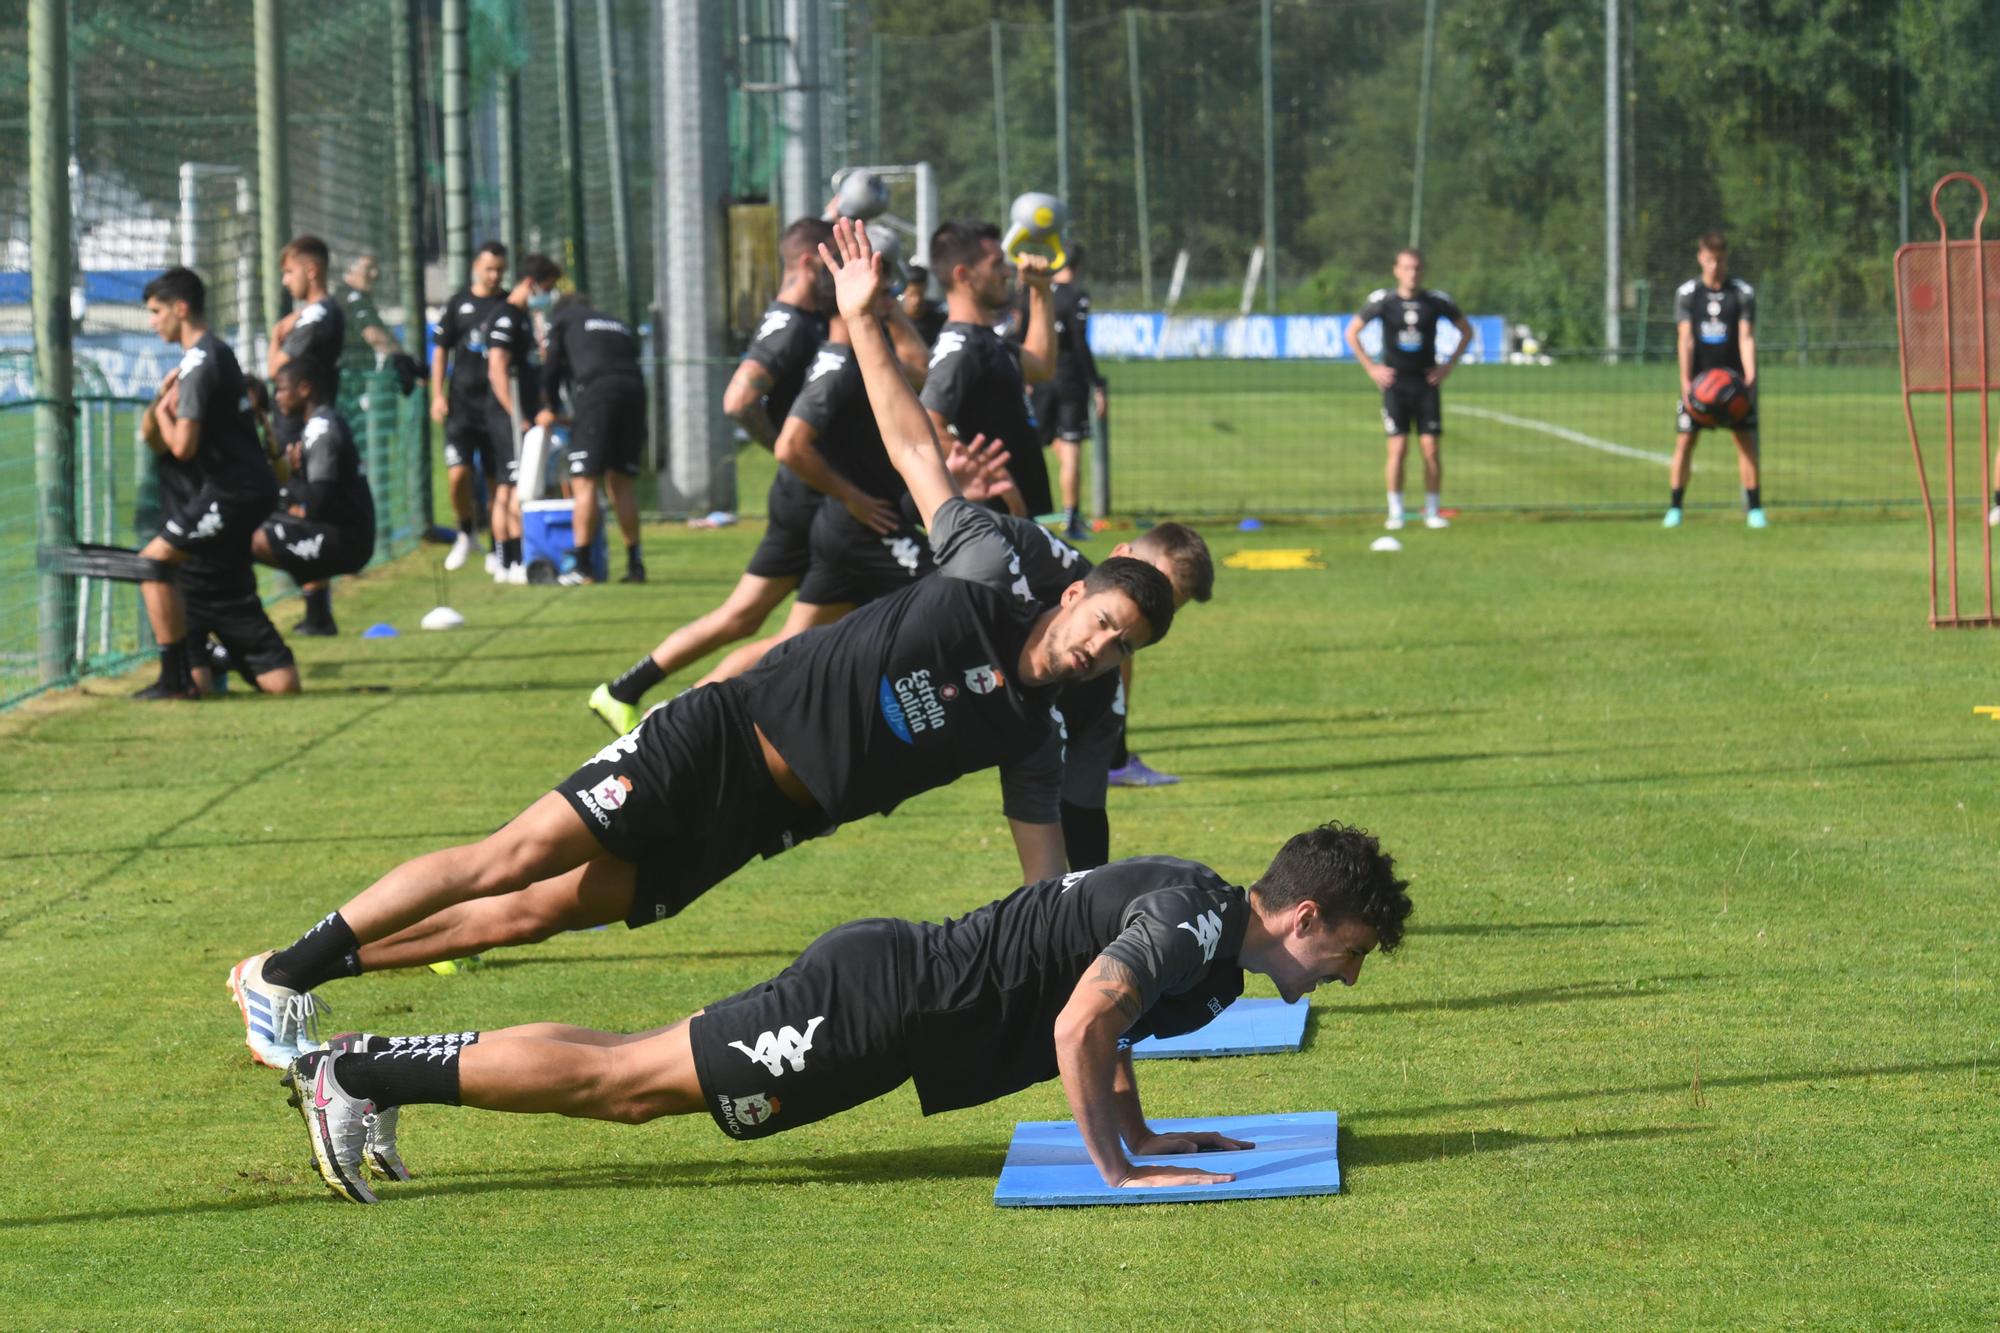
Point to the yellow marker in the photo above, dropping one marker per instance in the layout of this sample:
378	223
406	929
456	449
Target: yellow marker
1991	710
1282	558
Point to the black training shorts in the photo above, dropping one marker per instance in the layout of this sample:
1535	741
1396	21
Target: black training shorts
854	564
502	460
311	552
787	546
1412	401
466	439
828	1033
223	601
1062	411
217	525
608	432
686	797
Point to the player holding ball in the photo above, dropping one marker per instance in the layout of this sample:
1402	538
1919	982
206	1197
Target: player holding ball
1716	316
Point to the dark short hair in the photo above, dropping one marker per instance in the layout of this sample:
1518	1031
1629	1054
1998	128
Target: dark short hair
1147	587
490	248
308	247
1346	874
1412	252
1713	241
540	269
302	371
960	241
918	274
804	237
1194	570
178	284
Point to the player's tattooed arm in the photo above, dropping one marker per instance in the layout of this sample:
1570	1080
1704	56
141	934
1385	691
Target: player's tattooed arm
1117	983
743	401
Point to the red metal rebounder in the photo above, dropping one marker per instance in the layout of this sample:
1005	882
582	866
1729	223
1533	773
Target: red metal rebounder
1943	312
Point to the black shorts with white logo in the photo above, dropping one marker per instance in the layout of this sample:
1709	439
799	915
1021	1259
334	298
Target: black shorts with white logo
1412	401
786	550
1062	411
222	601
217	525
853	563
502	459
828	1033
686	797
466	439
608	433
311	552
1687	425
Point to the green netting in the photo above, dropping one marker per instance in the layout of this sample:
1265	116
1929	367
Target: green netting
1792	128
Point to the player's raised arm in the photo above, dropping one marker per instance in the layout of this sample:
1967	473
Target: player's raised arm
1104	1004
906	429
1038	347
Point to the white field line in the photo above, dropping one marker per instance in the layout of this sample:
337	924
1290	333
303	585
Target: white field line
1565	433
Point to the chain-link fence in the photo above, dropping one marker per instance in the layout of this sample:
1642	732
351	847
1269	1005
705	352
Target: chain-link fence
1809	135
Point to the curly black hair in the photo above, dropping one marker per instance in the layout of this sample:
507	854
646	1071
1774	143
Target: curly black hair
1346	874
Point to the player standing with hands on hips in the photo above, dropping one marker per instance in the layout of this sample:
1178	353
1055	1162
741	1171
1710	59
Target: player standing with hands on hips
1716	321
1409	376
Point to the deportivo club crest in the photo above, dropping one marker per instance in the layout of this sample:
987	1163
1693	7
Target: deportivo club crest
983	679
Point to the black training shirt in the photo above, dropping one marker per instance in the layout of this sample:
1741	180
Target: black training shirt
1051	565
316	340
1076	367
975	384
513	328
587	346
461	336
786	339
1409	325
229	455
917	689
336	486
834	402
989	986
1717	314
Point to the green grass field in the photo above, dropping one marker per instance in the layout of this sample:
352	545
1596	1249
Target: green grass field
1695	1024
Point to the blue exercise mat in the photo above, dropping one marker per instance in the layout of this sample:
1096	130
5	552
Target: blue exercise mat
1248	1027
1047	1166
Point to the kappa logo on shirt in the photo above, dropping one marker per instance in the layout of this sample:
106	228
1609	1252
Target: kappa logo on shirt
788	1045
904	551
315	428
1207	932
312	314
628	744
947	343
308	548
1072	879
210	524
825	364
775	321
984	679
194	360
1062	550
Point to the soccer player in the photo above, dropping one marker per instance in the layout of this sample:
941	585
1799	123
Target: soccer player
1064	402
978	379
1716	319
597	358
1056	980
365	326
329	528
216	484
315	332
760	394
955	674
926	314
1409	376
459	394
514	391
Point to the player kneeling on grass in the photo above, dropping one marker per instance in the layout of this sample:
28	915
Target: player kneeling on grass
1055	980
957	673
328	527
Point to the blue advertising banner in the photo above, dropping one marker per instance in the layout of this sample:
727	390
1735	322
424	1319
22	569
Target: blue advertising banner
1130	335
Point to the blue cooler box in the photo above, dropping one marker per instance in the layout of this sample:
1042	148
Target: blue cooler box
548	529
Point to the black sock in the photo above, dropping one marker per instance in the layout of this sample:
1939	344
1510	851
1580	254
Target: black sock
579	557
1753	497
326	951
632	552
319	605
643	675
1086	836
1680	493
405	1071
465	526
174	672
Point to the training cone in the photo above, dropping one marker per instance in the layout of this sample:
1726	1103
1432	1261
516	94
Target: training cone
1385	544
442	617
1251	525
381	629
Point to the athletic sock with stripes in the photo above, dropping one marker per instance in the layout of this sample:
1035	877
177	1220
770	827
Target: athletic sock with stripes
406	1071
326	951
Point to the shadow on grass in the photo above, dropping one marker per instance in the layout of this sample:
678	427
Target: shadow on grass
885	1166
1637	988
512	958
1682	776
441	837
1151	728
1364	1149
1393	761
1519	927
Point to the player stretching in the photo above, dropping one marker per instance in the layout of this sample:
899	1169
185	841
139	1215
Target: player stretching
1409	376
955	674
1053	981
1717	319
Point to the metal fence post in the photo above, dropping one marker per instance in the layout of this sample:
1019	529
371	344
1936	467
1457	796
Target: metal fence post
998	59
406	237
614	149
49	224
801	189
1423	122
1270	171
457	147
274	196
1611	199
507	121
1062	102
1139	158
576	259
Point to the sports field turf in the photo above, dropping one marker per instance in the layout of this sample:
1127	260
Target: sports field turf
1695	1025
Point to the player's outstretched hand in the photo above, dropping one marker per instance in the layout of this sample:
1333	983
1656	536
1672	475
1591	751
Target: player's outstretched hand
856	269
979	469
1142	1177
1193	1140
